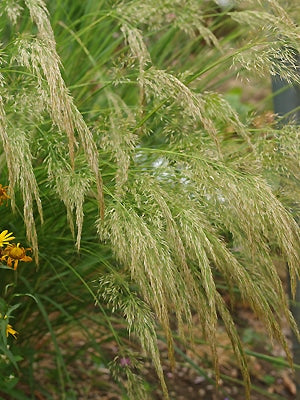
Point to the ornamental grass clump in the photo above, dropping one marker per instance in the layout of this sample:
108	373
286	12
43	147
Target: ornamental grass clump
144	191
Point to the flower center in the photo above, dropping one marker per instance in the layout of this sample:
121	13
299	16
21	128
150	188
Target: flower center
16	253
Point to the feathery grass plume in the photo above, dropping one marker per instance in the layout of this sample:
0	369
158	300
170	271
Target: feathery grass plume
218	109
197	288
160	84
68	117
12	8
255	226
208	108
203	247
236	192
162	219
224	195
169	12
119	140
91	154
20	172
72	188
36	55
40	56
196	234
148	260
192	281
273	27
157	266
275	58
279	153
39	15
275	48
29	103
19	162
273	6
139	51
115	290
263	299
136	43
128	366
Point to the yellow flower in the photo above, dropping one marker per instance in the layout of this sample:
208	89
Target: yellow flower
3	194
10	329
13	253
5	237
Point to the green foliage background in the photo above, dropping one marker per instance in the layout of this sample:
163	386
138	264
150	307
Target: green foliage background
138	182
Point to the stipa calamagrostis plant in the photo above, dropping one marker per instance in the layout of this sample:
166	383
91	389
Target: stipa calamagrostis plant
174	188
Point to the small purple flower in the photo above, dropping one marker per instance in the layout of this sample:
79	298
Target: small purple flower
125	361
